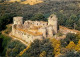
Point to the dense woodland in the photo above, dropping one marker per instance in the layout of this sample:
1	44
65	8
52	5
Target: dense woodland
69	47
68	14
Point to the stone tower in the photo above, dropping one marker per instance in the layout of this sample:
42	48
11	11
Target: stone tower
50	31
52	20
43	30
18	20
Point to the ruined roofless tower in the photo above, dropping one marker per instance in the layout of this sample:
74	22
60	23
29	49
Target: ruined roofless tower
52	20
18	20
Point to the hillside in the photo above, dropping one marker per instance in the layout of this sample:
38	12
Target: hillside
47	47
68	14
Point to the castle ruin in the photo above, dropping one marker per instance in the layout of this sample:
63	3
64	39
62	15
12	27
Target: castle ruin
31	30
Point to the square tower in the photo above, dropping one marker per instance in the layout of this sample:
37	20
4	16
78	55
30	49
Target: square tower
18	20
52	20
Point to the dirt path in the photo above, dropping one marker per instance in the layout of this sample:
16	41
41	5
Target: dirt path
15	38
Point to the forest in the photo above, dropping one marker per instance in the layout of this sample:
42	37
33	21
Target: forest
68	14
69	47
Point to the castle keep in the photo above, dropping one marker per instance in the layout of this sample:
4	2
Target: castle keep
31	30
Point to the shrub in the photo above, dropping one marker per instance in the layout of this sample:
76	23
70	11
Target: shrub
14	48
69	37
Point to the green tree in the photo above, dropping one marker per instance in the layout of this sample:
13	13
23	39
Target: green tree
4	40
5	19
69	37
56	45
14	48
71	46
37	47
77	48
38	17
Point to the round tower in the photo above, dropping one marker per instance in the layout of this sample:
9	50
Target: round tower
18	20
52	20
13	29
50	31
44	31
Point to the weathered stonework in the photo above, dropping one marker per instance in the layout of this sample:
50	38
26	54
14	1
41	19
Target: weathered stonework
31	30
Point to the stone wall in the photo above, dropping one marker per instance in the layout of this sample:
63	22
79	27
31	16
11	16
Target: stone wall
44	31
31	30
18	20
52	20
50	31
24	35
36	23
